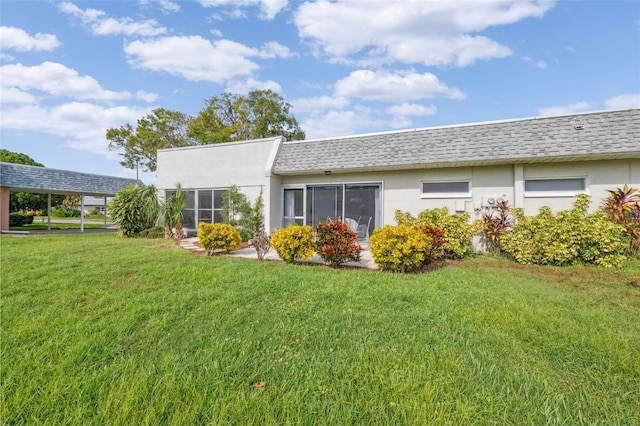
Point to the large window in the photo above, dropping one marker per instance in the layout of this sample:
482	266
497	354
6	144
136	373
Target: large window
558	187
448	189
202	205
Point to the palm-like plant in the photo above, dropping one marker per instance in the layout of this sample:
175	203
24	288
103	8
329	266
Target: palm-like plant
623	207
171	213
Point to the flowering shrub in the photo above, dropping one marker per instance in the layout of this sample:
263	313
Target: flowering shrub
436	236
399	248
495	224
293	242
458	232
622	206
336	243
216	237
569	237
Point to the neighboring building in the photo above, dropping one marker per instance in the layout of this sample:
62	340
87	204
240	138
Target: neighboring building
530	162
98	203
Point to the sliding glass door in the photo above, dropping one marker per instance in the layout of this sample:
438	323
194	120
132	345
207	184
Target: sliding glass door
357	204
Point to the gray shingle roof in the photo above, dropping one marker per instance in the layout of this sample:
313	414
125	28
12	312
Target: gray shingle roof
605	135
22	178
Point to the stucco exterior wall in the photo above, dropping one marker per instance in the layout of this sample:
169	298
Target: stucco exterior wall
401	189
601	176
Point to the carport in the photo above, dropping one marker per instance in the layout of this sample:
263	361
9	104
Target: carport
42	180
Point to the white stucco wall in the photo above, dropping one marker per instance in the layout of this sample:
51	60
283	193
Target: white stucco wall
401	189
245	164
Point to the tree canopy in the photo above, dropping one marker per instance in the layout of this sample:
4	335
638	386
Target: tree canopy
229	117
162	128
7	156
225	118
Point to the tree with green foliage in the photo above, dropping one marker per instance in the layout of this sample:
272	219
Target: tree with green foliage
162	128
24	201
231	117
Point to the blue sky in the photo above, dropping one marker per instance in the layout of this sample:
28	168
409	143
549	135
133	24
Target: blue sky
69	70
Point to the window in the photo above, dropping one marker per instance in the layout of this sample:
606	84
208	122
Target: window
450	189
560	187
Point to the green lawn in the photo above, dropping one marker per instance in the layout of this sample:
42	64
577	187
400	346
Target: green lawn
102	330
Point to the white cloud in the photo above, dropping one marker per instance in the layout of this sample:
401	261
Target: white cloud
631	100
13	95
101	25
335	123
388	87
538	64
18	39
166	6
57	80
319	103
428	32
273	49
198	59
82	124
146	96
268	8
407	109
245	86
566	109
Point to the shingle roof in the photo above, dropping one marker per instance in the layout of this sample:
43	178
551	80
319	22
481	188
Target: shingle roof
603	135
19	177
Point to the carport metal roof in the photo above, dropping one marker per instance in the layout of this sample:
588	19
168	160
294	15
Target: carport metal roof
23	178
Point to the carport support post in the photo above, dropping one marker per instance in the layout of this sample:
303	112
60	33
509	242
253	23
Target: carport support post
49	211
104	212
5	208
81	213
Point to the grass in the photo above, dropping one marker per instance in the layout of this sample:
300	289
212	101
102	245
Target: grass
102	330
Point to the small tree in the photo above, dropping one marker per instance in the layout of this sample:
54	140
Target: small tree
171	214
622	206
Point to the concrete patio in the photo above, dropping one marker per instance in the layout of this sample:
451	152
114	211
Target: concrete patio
366	261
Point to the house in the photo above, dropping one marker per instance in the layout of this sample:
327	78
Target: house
530	162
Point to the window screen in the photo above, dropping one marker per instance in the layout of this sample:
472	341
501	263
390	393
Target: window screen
445	187
555	185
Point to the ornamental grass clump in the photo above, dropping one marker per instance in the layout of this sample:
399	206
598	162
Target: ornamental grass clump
336	243
218	237
399	248
293	243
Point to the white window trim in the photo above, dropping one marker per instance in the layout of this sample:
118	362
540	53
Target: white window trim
434	195
557	194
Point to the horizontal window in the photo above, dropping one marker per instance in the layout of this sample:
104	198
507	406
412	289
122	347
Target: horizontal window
446	189
557	187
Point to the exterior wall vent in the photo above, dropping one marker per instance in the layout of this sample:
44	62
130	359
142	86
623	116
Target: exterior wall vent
579	127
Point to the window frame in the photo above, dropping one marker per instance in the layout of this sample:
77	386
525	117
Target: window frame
556	193
432	195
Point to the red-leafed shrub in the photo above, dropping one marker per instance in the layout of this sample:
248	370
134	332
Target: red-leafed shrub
436	235
336	243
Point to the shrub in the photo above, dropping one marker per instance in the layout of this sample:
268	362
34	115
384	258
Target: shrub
495	224
134	208
622	206
293	242
436	236
19	219
65	212
336	243
94	212
569	237
458	232
155	232
399	248
262	244
218	237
